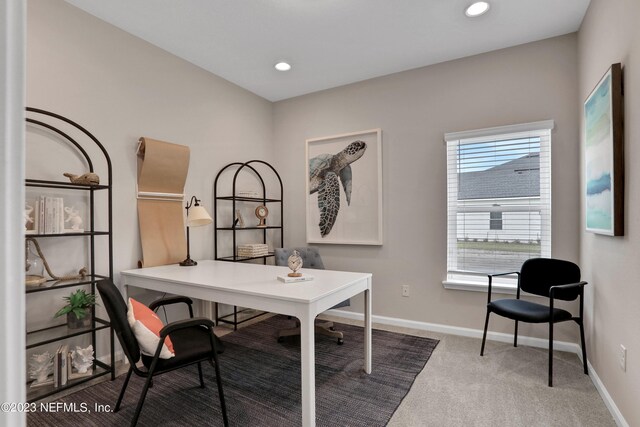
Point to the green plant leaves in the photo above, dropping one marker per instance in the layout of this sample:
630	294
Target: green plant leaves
78	303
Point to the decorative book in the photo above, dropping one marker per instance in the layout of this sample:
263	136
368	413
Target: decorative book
286	279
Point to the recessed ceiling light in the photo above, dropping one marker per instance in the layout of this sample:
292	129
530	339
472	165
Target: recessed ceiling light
282	66
476	9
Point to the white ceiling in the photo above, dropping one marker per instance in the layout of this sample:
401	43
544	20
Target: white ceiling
330	42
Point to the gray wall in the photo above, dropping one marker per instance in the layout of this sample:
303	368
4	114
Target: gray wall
522	84
610	34
121	88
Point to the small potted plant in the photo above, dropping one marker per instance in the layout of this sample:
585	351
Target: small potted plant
78	309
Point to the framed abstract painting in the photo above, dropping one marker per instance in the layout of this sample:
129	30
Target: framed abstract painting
344	188
604	155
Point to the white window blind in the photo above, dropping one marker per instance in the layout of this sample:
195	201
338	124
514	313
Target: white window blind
499	199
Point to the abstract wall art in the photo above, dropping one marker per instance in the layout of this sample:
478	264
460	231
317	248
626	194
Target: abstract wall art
604	155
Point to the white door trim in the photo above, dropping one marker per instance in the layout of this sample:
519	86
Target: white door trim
12	296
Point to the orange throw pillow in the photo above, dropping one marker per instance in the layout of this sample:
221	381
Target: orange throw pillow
146	326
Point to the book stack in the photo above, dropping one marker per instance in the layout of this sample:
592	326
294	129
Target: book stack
60	375
253	250
63	369
247	193
49	215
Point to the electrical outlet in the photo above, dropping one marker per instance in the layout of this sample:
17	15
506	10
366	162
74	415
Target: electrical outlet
405	290
623	358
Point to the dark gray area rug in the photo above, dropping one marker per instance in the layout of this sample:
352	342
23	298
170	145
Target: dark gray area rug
261	380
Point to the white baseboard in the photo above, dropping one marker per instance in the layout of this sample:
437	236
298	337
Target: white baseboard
495	336
608	401
464	332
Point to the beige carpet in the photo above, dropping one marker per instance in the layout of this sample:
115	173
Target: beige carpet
506	387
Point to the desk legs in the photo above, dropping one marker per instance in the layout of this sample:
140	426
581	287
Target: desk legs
367	329
307	343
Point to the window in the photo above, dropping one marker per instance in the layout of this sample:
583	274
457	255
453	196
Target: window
495	220
499	200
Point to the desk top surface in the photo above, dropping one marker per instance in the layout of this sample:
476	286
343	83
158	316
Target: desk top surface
252	279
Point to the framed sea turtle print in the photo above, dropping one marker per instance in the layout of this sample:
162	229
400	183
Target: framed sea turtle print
344	188
604	155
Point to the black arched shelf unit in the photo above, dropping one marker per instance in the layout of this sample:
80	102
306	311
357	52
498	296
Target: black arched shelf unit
234	199
61	127
230	232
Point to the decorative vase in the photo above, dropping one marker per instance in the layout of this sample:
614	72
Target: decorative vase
74	323
34	267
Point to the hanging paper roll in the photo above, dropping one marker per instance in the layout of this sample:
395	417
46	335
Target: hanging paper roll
162	172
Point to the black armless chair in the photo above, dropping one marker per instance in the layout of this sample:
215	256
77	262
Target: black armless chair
310	259
546	277
193	342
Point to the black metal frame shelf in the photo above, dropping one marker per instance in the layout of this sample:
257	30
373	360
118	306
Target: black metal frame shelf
239	167
54	333
249	199
269	227
54	123
38	393
235	258
61	284
235	322
80	233
41	183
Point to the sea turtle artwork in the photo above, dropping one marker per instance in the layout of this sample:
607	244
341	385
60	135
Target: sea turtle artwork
324	171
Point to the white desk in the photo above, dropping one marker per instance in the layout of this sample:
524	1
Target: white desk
256	286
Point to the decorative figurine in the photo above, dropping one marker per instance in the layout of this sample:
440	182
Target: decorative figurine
89	178
239	220
82	359
73	216
41	366
27	216
295	264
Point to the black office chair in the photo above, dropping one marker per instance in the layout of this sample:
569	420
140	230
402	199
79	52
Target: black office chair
546	277
193	342
310	259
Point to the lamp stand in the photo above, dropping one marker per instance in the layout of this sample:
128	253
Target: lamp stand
188	262
199	216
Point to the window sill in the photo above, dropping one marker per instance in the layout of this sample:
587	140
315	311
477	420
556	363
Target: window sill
462	285
496	288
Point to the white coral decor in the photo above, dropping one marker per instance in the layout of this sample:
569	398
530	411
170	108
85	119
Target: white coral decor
41	366
82	358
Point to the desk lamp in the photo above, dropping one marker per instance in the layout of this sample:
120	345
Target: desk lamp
198	216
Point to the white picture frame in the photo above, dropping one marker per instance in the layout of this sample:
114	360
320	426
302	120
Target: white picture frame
356	220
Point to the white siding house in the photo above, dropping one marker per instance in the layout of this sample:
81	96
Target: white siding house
501	203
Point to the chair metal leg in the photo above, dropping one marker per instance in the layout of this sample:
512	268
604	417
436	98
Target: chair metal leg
484	335
143	395
223	407
200	374
584	348
124	388
515	336
550	354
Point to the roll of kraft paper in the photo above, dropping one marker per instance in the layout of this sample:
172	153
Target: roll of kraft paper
162	172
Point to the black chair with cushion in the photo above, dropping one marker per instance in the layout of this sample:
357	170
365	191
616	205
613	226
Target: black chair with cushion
552	278
193	342
310	259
